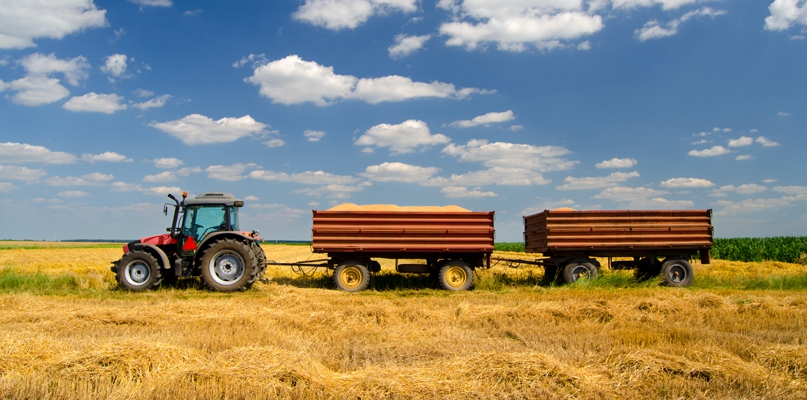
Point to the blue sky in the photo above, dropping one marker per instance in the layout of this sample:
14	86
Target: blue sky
514	106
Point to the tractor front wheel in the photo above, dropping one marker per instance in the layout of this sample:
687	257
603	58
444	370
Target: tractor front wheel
229	265
138	270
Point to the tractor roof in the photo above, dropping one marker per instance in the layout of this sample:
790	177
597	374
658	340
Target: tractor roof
226	199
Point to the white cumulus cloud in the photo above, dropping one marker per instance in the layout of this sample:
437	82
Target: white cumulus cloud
109	156
486	119
655	30
785	13
617	163
198	129
115	65
21	173
399	172
341	14
710	152
512	155
292	80
22	21
401	138
742	141
313	136
306	178
597	182
463	192
686	183
21	153
94	102
407	45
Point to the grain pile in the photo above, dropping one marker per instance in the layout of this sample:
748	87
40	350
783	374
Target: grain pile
396	208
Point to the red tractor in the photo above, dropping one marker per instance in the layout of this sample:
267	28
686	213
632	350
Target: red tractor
203	240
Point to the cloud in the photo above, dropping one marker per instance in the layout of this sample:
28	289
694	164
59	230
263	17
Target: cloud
547	204
791	190
514	26
192	13
23	21
742	141
617	163
710	152
156	102
783	114
115	65
686	183
747	188
198	129
335	191
743	157
229	173
168	162
407	45
399	172
306	178
73	194
641	197
275	143
512	155
487	119
766	142
654	30
93	179
165	176
152	3
508	176
21	153
597	182
108	156
38	86
292	80
785	13
402	138
93	102
313	136
255	59
459	192
6	187
21	173
751	205
341	14
665	4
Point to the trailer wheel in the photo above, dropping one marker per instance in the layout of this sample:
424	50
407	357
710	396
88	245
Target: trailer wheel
456	275
351	276
229	265
677	272
138	270
579	269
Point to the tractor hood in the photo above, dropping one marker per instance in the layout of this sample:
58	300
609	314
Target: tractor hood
156	240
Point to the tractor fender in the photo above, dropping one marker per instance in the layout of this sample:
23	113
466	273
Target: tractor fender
154	250
216	236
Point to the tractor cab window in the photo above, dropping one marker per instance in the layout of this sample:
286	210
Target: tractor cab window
202	220
234	218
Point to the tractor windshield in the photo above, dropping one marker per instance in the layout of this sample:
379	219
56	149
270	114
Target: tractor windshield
204	219
234	218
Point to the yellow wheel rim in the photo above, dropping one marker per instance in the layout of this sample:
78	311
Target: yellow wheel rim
456	276
351	277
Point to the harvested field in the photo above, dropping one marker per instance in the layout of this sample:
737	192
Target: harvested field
297	338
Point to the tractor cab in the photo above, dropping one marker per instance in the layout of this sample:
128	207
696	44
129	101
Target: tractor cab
203	215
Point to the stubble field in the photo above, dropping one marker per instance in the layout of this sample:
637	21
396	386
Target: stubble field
66	331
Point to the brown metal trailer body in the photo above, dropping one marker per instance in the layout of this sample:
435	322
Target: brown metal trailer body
442	239
569	239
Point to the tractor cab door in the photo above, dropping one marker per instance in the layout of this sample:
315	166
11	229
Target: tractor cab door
198	222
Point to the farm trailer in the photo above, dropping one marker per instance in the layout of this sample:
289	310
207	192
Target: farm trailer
657	241
451	244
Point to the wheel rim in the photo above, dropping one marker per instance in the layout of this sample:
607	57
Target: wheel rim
456	276
677	273
137	273
351	277
580	271
226	268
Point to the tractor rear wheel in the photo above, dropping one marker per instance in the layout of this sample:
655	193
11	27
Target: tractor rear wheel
229	265
138	270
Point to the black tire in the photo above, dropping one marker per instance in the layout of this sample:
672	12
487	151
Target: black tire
261	259
138	270
456	275
351	276
229	265
577	269
677	272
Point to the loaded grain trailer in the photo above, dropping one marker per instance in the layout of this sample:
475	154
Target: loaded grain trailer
655	241
449	244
